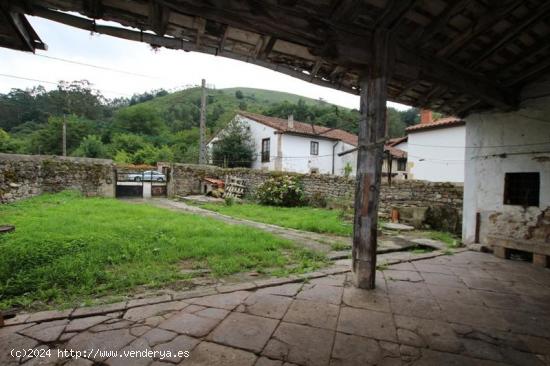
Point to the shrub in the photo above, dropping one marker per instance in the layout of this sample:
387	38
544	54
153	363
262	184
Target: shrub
229	201
318	200
281	191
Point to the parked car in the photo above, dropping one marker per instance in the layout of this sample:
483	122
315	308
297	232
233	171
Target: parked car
147	176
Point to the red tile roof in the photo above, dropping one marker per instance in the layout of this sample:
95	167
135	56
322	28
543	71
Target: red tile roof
397	140
440	123
302	128
395	152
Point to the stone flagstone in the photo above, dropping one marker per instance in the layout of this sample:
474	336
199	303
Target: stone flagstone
244	331
451	316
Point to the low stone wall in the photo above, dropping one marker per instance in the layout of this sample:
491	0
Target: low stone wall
23	176
440	204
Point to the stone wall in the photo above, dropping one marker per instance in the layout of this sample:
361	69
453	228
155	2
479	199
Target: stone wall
23	176
437	204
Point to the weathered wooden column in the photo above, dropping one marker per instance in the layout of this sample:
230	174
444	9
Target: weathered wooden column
372	135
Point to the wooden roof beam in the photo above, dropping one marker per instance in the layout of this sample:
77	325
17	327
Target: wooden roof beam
454	77
158	18
223	39
485	22
93	8
345	10
24	31
267	45
394	13
423	35
541	13
525	75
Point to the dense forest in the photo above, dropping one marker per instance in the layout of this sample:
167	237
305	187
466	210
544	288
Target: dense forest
152	126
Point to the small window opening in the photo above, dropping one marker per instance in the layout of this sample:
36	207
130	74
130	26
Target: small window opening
314	148
265	150
522	189
519	255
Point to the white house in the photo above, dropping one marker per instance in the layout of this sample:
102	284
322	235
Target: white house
507	180
435	149
292	146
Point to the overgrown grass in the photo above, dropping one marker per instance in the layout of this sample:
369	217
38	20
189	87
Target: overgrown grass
67	248
302	218
445	237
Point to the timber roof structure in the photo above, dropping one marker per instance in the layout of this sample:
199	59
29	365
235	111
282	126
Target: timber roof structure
454	56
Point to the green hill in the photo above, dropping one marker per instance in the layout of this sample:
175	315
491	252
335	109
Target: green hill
180	110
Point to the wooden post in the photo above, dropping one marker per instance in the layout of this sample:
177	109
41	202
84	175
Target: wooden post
372	136
202	125
64	135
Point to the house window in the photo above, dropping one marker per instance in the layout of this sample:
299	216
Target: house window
265	150
314	148
522	189
401	165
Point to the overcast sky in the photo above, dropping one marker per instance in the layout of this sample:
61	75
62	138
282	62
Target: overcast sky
163	68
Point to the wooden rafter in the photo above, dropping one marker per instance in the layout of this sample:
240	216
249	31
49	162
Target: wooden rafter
539	14
313	40
424	35
394	13
158	18
480	26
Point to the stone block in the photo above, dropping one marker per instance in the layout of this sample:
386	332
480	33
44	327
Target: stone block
540	260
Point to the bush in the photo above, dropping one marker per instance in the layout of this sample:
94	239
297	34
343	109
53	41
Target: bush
318	200
281	191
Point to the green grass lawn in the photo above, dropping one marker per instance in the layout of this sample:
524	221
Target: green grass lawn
68	249
318	220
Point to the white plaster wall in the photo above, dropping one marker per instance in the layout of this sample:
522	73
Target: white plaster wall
341	161
259	132
402	146
484	173
437	155
297	155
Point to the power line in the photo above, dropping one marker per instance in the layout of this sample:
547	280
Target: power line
97	66
481	147
52	82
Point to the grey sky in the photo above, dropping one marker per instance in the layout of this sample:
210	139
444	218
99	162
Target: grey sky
166	69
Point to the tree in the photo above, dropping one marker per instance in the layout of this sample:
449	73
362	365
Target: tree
239	94
140	119
91	147
128	142
234	147
48	140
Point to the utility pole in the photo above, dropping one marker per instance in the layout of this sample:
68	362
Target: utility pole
64	132
64	135
202	125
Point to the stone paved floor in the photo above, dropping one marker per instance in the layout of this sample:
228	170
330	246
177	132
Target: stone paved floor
466	309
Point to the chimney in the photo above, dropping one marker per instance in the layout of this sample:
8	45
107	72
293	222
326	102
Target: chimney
425	116
291	121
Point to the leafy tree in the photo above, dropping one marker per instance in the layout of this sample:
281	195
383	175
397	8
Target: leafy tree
91	147
5	141
128	142
239	94
151	155
140	119
123	157
185	146
48	140
234	147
